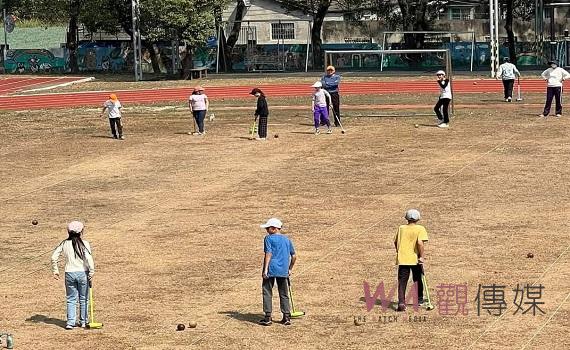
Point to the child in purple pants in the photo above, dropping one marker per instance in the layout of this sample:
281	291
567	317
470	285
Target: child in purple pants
319	107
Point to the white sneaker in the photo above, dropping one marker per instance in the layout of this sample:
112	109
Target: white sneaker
559	115
329	131
443	125
541	116
260	139
439	121
317	131
509	99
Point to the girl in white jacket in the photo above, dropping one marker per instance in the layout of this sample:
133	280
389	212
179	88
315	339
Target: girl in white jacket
79	270
442	104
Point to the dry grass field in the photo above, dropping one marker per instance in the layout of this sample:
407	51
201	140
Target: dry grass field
174	224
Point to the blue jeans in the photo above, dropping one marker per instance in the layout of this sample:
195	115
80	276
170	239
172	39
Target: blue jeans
76	285
199	116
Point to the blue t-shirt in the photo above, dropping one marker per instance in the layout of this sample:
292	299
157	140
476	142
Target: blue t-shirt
281	248
331	82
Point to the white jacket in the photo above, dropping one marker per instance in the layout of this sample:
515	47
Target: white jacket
555	76
444	88
508	71
72	262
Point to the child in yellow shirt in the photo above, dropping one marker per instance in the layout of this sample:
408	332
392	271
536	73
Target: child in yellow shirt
409	242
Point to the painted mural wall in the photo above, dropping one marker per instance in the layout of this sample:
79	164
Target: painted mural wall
111	57
117	57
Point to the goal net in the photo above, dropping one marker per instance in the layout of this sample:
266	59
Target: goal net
461	46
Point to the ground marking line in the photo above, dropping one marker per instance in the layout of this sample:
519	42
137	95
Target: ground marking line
375	224
545	323
533	283
19	88
73	82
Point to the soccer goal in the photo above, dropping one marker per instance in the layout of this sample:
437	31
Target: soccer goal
371	59
461	45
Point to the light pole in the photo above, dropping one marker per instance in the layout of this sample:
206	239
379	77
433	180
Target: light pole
137	50
494	34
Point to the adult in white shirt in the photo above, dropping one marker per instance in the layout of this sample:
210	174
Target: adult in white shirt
79	270
508	72
198	104
554	77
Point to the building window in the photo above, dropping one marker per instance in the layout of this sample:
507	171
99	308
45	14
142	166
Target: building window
284	31
460	13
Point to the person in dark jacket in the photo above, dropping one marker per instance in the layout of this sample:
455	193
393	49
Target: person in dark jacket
330	82
261	114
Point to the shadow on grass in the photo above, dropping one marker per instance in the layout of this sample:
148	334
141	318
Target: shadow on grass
428	126
244	317
102	136
393	304
47	320
304	132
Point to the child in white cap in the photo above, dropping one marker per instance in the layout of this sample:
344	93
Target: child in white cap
277	265
79	270
443	101
409	242
321	99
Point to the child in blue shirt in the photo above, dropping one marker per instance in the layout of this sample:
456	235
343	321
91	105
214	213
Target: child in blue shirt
277	265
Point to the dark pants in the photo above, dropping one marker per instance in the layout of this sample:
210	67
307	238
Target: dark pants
119	127
283	289
552	92
262	126
404	276
335	99
508	87
199	117
442	104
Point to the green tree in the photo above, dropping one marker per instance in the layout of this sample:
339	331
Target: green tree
318	10
190	20
523	10
404	15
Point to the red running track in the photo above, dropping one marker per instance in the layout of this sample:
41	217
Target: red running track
14	84
147	96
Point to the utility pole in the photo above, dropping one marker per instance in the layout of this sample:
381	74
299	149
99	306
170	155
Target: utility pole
494	34
137	45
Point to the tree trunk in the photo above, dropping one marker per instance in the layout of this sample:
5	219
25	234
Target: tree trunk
221	38
154	62
228	45
316	40
187	63
414	19
509	29
72	33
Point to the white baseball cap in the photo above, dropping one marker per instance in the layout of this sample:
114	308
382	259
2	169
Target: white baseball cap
273	222
75	226
412	215
318	84
440	72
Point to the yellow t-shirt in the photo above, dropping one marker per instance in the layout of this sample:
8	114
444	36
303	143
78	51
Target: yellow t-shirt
407	239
